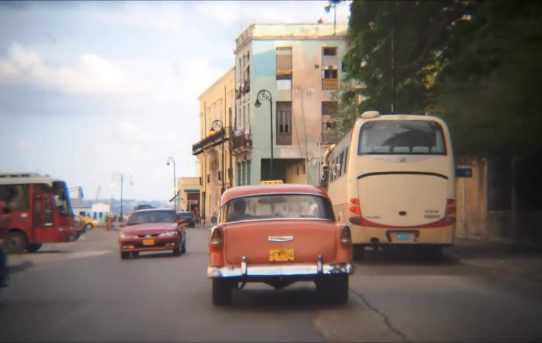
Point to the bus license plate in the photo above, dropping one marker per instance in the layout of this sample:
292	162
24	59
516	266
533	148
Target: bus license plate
281	254
403	236
148	242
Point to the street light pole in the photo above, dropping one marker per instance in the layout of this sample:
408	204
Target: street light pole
171	159
263	95
121	187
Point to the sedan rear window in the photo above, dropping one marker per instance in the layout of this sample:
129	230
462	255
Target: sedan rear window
288	206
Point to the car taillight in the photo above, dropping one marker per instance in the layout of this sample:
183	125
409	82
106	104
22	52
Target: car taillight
217	238
346	235
354	206
450	211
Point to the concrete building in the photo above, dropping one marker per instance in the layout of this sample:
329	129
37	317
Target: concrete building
100	212
286	75
82	207
217	105
189	193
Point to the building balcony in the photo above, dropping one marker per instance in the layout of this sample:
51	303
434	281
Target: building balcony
210	141
241	143
330	84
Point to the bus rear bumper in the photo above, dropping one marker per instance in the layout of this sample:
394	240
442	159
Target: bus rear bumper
443	236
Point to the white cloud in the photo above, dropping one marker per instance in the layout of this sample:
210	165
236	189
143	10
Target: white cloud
159	16
132	133
251	12
224	12
89	74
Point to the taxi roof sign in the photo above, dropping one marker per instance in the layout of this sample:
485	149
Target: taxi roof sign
271	182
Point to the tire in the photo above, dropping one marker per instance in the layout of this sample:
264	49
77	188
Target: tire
16	243
88	226
334	289
177	251
358	252
124	255
34	247
222	292
183	246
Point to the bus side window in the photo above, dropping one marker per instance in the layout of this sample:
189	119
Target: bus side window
38	215
48	212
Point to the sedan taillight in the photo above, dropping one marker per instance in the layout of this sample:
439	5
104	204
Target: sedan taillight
346	235
217	238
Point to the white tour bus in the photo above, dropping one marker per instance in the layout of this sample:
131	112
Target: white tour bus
392	178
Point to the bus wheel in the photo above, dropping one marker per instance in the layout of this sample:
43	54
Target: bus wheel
34	247
358	251
16	243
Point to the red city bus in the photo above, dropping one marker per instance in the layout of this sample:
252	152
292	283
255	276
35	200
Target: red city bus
39	211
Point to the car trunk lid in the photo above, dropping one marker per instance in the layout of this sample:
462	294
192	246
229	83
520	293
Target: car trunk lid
259	241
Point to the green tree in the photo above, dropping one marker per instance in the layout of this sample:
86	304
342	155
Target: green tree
487	89
396	51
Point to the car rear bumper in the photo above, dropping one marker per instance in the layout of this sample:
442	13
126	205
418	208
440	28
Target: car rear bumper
298	270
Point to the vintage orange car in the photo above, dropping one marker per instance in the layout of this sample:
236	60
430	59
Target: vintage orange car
278	234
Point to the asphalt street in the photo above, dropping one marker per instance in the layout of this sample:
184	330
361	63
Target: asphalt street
83	291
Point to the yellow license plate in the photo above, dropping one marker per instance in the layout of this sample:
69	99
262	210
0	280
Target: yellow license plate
281	254
148	242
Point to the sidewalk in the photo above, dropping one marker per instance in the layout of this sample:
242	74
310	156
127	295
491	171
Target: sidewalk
517	259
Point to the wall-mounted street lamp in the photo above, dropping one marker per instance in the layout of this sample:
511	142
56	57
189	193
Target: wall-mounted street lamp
264	95
121	174
172	160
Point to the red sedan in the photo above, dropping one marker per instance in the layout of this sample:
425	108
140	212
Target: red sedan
279	234
152	230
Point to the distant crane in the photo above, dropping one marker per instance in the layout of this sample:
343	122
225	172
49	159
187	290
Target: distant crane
98	192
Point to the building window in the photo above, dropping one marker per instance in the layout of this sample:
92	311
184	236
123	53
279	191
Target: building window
284	123
330	72
284	63
328	122
327	51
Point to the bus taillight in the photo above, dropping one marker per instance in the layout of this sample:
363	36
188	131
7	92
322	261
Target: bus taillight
449	217
354	206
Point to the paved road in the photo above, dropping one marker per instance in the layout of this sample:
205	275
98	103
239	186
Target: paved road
82	291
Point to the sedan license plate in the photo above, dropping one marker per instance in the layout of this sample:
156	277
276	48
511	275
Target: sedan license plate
148	242
281	254
403	236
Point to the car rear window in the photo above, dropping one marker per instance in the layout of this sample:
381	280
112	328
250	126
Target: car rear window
402	137
151	217
287	206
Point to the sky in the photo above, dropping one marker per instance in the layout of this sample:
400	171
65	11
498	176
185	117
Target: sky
90	91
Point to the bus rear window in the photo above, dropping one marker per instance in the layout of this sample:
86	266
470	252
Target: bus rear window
401	137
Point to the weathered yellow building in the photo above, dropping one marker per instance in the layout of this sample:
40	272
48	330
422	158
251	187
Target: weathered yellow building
217	106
